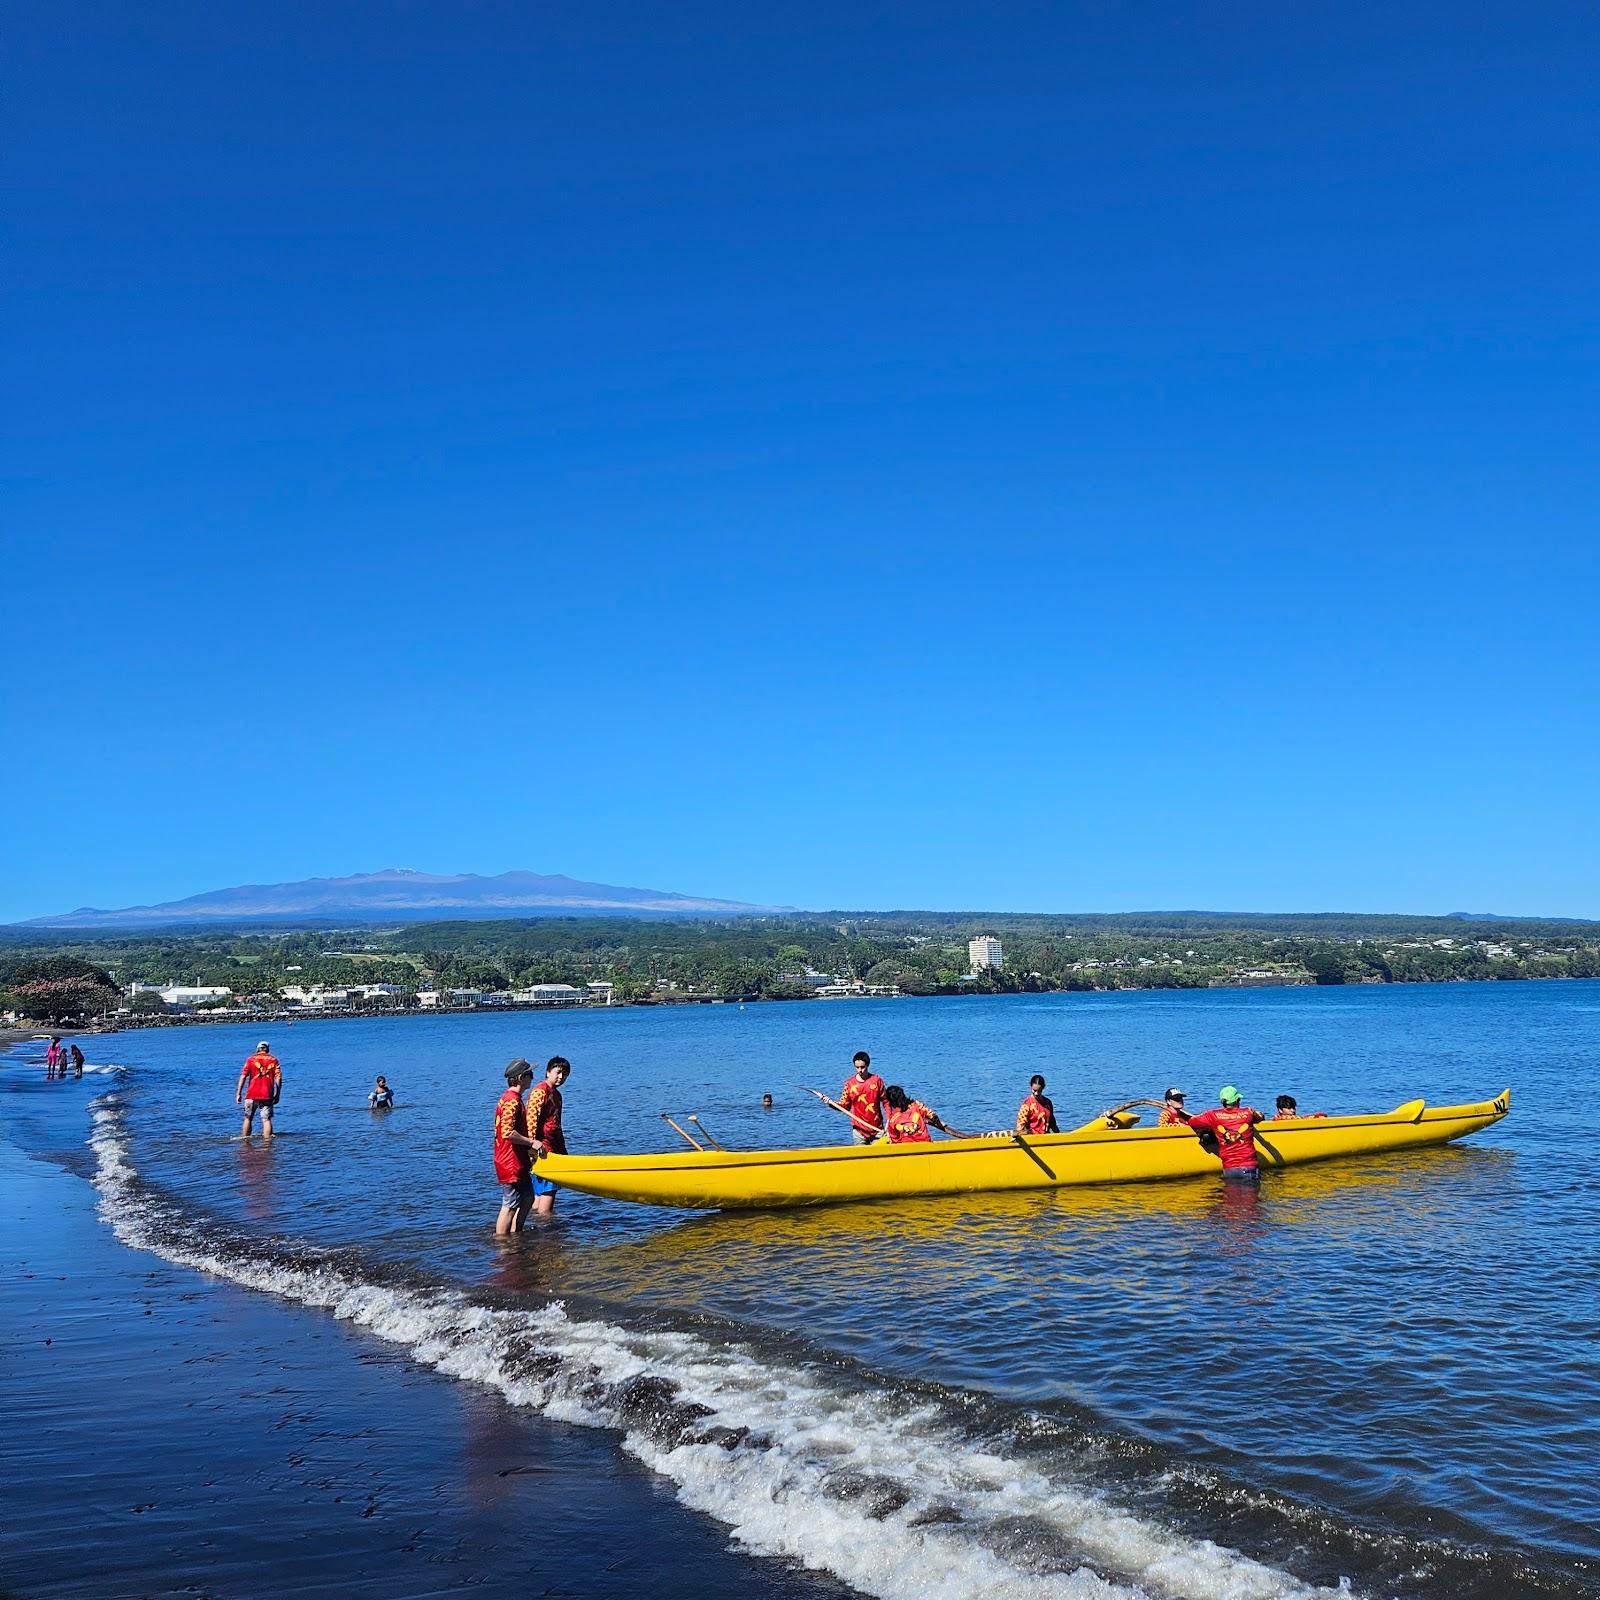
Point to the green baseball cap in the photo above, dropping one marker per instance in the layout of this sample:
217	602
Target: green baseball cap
1229	1096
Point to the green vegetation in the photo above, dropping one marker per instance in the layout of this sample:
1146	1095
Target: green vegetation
662	961
56	988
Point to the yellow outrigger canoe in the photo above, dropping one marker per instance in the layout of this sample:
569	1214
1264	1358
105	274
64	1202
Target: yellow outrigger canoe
727	1180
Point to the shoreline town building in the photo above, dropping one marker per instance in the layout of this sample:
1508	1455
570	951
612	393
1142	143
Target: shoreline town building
984	953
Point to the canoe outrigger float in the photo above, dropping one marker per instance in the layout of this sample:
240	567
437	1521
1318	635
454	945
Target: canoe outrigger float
726	1180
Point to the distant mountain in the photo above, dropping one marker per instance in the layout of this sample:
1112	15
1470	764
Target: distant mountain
400	895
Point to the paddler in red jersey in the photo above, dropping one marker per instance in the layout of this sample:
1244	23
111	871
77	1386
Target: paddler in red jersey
513	1149
862	1097
908	1120
260	1083
1233	1127
1172	1113
1036	1114
544	1127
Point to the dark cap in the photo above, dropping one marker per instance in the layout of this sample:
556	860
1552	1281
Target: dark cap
517	1069
1173	1094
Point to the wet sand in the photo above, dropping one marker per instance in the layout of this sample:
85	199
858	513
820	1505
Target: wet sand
169	1434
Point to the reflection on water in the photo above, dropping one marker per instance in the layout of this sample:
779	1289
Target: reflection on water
1370	1317
1368	1292
257	1197
1024	1228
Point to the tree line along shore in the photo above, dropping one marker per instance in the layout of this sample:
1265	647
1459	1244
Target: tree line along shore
377	970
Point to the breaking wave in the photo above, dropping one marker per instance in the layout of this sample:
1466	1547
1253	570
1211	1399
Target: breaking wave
908	1493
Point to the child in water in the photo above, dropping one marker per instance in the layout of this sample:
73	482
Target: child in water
382	1096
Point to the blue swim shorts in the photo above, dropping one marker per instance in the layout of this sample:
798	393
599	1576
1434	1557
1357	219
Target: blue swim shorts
542	1185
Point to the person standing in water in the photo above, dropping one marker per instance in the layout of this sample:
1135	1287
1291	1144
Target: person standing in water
259	1086
544	1128
1233	1127
382	1096
52	1057
77	1062
862	1097
513	1149
1036	1114
1172	1113
909	1120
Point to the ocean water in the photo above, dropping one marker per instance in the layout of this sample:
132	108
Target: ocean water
1378	1378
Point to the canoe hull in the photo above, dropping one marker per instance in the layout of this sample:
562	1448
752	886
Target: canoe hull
832	1174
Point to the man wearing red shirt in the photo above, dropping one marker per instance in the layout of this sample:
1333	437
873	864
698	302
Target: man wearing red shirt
862	1097
1233	1127
513	1149
260	1083
1036	1114
544	1128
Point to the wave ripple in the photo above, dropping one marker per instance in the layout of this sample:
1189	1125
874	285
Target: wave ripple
893	1496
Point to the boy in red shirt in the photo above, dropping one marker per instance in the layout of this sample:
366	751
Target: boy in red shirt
513	1149
544	1128
1233	1127
862	1097
260	1083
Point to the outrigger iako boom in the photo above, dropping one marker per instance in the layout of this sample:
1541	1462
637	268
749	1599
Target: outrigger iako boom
719	1180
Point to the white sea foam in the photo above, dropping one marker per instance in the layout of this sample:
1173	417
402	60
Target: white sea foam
891	1497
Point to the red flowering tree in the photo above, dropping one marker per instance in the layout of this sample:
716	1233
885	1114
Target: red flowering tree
57	987
56	999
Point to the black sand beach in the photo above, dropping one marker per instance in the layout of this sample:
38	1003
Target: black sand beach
168	1434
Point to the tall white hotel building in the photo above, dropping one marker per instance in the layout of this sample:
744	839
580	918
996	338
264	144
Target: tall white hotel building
984	952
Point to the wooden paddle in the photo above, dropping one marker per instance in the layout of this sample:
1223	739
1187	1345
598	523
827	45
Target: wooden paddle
1033	1155
679	1131
878	1133
715	1141
855	1121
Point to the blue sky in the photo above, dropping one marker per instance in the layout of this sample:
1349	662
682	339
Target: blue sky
1072	457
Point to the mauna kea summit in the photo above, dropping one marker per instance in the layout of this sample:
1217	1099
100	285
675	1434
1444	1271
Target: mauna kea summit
401	894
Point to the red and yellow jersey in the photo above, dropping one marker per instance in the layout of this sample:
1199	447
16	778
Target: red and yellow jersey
544	1117
1232	1126
1036	1115
510	1160
910	1126
863	1099
1171	1118
262	1077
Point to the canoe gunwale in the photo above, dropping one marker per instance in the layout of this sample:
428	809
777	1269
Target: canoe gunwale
713	1180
